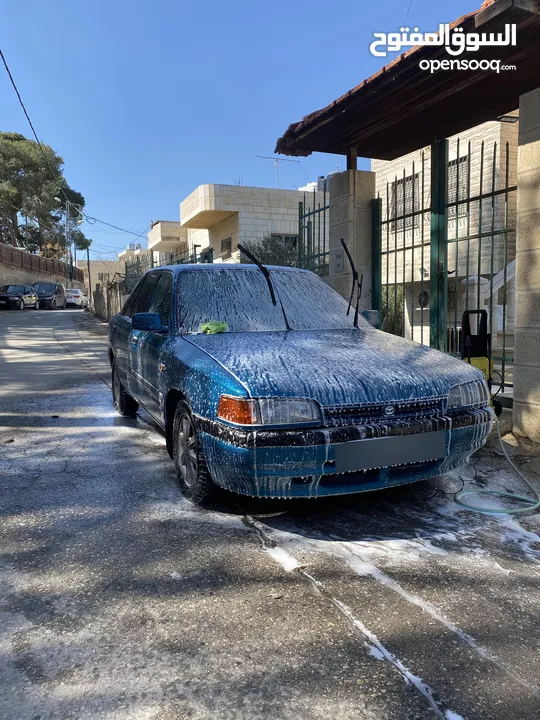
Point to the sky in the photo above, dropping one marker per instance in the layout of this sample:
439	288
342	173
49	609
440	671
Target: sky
147	100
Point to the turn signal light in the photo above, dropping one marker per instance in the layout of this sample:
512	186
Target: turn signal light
237	410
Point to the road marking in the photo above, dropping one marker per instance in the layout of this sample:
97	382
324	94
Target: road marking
372	644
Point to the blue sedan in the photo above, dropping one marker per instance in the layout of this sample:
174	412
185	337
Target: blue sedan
265	385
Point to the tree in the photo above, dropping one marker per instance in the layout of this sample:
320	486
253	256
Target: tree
272	250
33	191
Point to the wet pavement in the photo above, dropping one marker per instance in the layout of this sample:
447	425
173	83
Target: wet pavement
121	600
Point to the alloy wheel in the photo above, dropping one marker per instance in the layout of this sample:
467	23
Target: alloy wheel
21	305
186	448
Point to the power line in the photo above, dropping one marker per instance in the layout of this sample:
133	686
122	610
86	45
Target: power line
56	176
408	11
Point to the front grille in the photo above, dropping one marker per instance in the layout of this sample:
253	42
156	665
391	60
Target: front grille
352	414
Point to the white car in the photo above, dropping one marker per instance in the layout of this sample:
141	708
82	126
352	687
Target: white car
76	297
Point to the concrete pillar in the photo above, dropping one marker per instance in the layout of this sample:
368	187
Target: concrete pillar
351	193
527	323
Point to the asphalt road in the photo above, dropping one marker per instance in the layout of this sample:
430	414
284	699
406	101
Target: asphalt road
120	600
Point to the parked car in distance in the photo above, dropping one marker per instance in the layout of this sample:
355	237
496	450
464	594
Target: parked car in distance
287	397
51	295
18	297
76	297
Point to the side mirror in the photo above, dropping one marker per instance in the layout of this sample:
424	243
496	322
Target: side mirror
372	316
151	322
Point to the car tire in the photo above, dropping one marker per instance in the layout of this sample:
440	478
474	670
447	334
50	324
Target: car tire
189	461
53	305
123	403
36	305
21	304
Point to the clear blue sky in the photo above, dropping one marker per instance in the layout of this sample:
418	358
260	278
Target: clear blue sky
147	100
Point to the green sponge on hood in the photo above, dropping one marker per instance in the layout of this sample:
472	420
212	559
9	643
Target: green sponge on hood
213	327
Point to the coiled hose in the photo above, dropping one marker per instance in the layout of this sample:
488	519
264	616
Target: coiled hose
532	503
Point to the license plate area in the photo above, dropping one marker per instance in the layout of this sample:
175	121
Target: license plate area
387	451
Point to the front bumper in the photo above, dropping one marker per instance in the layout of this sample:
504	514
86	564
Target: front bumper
9	304
302	463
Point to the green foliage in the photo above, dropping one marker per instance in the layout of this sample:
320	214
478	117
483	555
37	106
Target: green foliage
272	251
392	310
31	180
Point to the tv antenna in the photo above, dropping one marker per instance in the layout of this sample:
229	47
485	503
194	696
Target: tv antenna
276	164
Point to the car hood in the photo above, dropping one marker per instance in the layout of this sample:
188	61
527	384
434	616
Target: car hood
335	367
5	296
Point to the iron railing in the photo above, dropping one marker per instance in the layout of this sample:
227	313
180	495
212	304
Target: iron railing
446	243
313	229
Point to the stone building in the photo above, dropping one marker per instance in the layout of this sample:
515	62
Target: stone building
221	216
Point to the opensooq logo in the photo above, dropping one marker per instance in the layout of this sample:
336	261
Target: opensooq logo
454	41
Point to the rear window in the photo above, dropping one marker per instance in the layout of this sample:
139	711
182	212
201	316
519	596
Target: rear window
47	287
12	289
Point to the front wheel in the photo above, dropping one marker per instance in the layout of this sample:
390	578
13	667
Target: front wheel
191	469
123	403
21	304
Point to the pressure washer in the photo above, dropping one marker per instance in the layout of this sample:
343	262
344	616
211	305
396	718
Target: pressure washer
476	350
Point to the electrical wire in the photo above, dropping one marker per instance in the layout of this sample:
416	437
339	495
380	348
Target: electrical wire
57	176
532	503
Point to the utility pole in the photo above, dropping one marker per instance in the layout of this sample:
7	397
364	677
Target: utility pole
66	234
90	296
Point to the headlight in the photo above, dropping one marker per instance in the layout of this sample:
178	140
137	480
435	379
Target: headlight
267	411
13	297
468	394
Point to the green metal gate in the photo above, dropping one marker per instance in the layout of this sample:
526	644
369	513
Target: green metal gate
313	228
444	242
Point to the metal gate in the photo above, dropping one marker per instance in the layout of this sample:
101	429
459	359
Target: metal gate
313	228
444	239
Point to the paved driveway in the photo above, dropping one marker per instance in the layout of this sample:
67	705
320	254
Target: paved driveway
120	600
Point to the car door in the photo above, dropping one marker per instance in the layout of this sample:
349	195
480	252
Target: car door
120	335
151	345
136	383
27	297
31	296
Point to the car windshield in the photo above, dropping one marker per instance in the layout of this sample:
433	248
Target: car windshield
46	287
12	289
241	299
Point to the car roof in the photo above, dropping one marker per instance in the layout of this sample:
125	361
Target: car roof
229	267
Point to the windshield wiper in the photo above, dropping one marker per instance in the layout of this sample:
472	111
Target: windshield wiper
355	284
266	274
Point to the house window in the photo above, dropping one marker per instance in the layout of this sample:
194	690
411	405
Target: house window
404	200
226	248
291	240
458	167
101	277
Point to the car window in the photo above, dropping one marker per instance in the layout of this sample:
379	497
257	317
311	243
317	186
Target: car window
127	310
241	299
12	289
160	302
142	302
45	287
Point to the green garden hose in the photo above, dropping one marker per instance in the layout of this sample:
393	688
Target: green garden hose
532	503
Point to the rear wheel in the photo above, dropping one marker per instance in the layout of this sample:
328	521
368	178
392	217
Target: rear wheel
36	305
191	469
123	403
